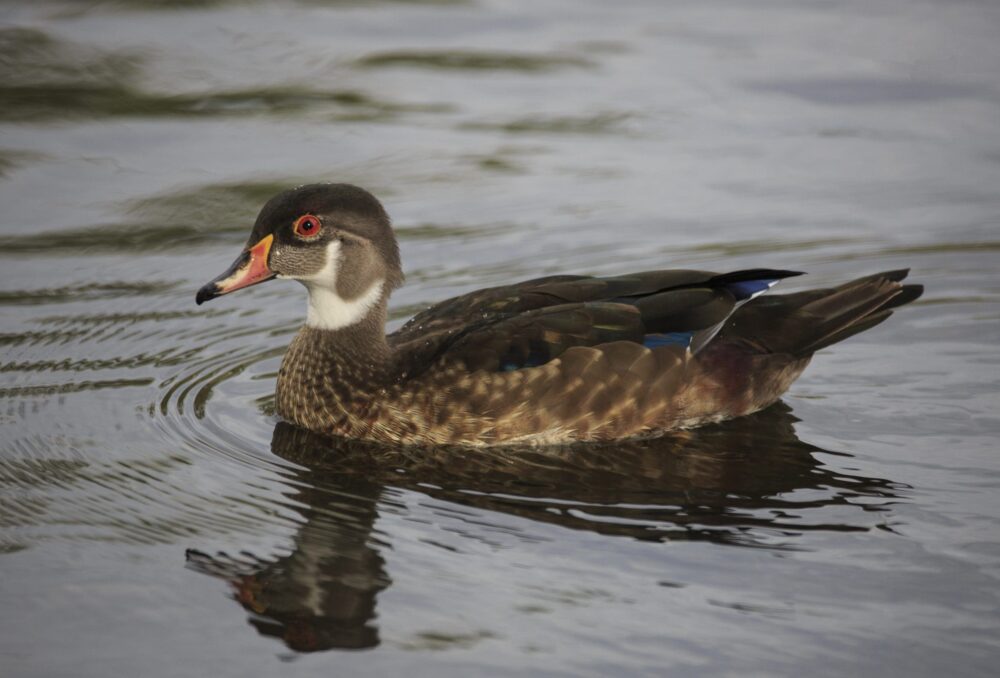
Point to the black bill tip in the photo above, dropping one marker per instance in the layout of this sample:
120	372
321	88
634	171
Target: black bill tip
209	291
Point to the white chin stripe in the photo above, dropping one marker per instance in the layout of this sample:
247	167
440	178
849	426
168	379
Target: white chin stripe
327	309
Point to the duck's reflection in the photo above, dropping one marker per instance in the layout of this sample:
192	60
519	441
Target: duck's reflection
747	482
321	596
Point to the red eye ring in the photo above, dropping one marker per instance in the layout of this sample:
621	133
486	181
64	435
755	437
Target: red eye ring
307	226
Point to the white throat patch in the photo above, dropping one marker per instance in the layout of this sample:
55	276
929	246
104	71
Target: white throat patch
327	309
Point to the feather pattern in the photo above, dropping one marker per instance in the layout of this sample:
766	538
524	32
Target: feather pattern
554	359
527	324
574	358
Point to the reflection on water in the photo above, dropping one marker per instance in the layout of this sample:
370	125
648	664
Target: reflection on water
600	123
474	60
872	91
44	78
748	482
321	596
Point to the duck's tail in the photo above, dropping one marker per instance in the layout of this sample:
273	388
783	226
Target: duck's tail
802	323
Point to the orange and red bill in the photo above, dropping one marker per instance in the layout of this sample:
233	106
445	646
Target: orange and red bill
249	268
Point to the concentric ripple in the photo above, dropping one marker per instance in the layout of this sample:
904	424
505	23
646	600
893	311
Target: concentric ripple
114	439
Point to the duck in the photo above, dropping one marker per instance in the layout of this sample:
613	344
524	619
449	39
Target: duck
552	360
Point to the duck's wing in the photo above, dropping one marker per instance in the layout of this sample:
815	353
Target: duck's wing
529	324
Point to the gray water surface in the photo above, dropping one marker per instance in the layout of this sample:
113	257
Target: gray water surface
157	520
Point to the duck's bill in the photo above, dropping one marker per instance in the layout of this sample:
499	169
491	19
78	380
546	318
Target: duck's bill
249	269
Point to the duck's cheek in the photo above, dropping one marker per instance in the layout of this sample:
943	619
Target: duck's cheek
315	265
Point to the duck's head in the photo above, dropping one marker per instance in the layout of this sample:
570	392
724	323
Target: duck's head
335	239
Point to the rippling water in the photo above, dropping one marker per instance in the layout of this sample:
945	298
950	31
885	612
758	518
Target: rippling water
155	517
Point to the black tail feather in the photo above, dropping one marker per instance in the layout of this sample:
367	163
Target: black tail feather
805	322
909	293
857	327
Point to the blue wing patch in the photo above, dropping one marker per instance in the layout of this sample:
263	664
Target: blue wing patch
509	366
748	289
668	339
538	354
743	291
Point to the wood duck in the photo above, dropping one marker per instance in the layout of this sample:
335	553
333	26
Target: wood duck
550	360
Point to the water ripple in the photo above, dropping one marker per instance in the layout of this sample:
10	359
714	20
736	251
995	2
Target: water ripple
156	484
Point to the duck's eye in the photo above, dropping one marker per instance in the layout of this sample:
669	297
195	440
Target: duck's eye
306	226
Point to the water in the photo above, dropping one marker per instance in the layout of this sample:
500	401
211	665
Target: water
157	520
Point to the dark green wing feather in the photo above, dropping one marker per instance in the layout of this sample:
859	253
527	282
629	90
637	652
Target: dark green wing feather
507	300
528	324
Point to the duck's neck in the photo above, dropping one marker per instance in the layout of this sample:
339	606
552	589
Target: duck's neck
328	310
330	378
361	345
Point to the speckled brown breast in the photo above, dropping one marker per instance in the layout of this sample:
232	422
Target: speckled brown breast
615	391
